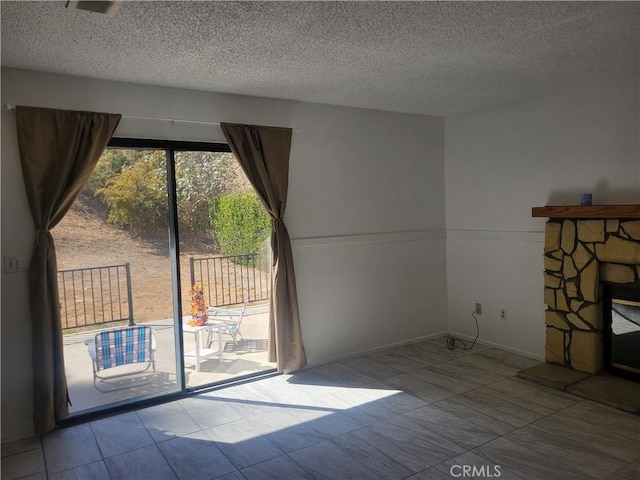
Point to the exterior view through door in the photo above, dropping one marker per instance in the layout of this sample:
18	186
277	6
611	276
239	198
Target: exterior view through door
164	274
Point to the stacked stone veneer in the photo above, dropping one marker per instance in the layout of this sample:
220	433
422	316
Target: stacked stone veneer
578	255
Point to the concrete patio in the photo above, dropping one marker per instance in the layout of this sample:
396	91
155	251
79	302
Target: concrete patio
249	356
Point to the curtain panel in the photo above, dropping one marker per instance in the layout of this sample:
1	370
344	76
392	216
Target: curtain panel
58	152
263	154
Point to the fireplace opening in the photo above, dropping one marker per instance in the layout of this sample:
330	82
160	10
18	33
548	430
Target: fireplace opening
622	330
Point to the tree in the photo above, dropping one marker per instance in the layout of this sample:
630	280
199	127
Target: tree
201	177
110	165
132	185
137	197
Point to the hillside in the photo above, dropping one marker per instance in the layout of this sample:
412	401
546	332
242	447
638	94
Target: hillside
84	239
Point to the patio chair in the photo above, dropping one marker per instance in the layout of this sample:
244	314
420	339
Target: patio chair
120	347
232	319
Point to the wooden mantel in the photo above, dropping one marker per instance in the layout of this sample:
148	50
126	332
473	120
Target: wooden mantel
591	211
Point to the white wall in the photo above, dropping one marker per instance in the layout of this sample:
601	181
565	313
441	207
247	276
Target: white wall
500	162
365	212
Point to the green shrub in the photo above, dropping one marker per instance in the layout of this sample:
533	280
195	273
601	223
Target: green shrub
241	225
137	197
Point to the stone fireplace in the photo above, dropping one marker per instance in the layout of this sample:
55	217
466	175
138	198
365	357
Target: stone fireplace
580	254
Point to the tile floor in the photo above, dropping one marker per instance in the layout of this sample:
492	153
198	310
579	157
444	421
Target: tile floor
416	412
606	388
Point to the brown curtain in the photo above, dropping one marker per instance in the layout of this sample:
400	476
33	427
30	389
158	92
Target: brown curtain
263	153
58	151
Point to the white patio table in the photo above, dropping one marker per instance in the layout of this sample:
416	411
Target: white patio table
200	354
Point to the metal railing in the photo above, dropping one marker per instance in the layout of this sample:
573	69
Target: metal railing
96	295
226	280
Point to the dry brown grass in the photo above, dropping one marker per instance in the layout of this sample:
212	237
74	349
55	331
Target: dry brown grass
84	239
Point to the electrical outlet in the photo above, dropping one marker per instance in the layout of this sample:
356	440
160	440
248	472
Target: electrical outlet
478	309
503	314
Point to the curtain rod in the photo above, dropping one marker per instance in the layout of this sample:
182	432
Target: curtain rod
133	117
12	108
172	120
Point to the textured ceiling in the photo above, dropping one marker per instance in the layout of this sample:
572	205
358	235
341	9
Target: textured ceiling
437	58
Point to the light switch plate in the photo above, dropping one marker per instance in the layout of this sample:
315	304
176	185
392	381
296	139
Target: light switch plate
9	264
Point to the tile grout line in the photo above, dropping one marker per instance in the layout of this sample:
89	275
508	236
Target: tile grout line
514	427
44	457
103	458
155	444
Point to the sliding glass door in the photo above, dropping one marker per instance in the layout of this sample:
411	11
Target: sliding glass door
115	273
163	275
224	232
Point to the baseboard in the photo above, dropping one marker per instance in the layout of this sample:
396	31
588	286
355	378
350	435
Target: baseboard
487	343
376	349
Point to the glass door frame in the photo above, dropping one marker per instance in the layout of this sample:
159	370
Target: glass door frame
170	147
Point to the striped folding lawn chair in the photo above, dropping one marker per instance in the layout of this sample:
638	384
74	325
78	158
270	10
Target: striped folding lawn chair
117	350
